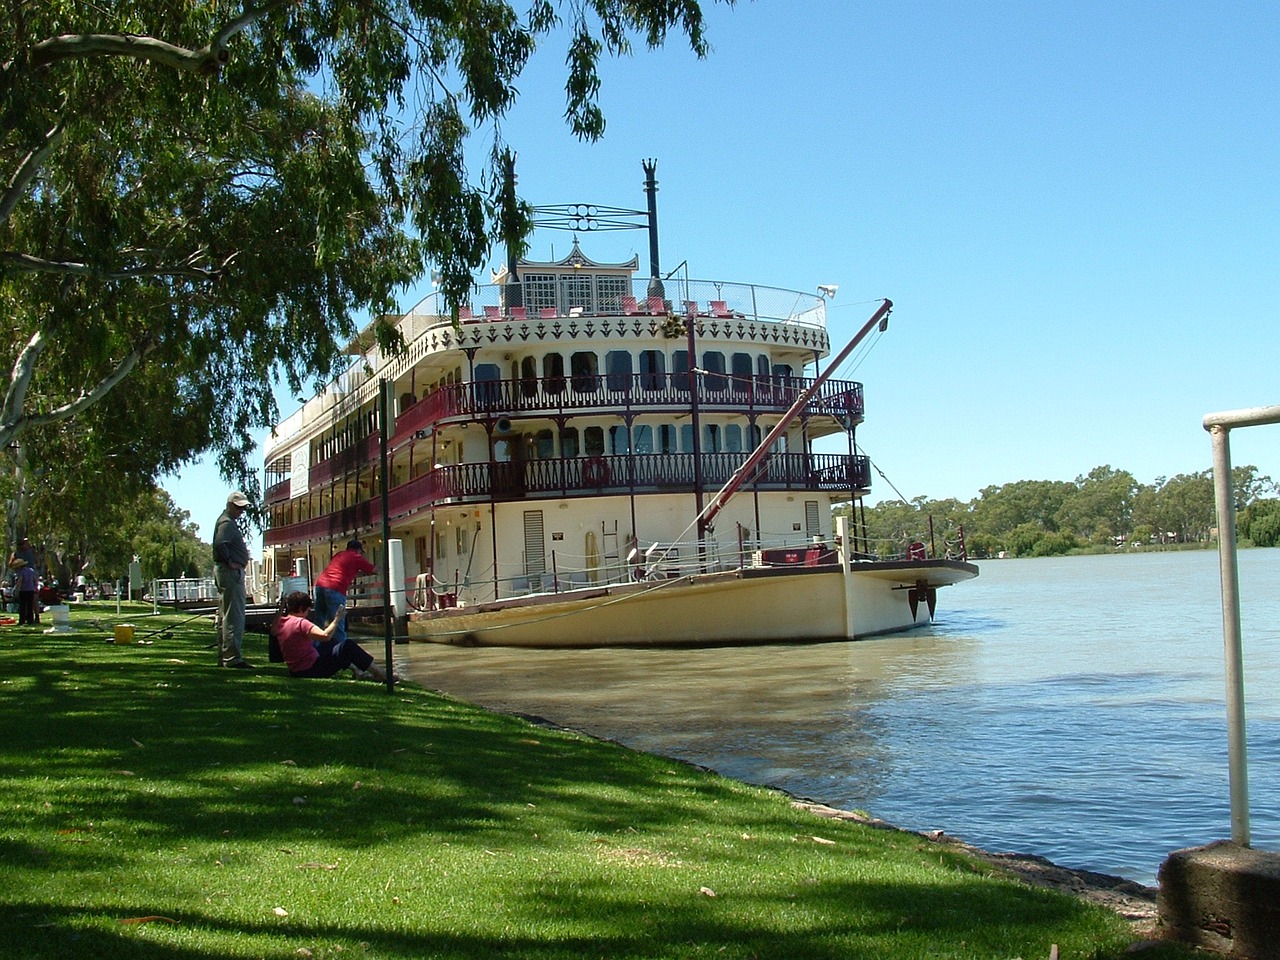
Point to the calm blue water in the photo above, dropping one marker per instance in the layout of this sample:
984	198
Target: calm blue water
1071	707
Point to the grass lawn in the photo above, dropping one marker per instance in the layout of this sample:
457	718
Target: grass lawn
158	807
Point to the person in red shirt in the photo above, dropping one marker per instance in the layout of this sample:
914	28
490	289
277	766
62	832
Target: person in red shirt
311	652
332	585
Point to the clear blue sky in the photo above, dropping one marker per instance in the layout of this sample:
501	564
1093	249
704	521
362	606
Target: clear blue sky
1075	208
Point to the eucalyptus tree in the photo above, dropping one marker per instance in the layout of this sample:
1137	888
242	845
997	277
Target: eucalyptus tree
209	194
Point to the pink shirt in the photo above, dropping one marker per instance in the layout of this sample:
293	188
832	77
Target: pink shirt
296	642
343	570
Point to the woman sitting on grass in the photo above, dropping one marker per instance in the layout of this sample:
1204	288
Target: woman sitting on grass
309	651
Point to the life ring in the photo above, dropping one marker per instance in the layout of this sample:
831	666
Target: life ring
595	472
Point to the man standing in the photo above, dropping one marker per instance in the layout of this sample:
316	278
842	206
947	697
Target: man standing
332	586
22	563
230	557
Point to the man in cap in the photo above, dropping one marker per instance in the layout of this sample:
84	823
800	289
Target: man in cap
332	586
230	558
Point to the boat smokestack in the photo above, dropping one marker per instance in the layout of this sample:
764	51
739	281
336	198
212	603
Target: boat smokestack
656	288
513	293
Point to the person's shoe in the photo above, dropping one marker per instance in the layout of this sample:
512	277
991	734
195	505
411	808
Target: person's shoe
239	665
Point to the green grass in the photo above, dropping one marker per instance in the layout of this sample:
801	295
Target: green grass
157	807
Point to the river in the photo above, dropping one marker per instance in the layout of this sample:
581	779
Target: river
1068	707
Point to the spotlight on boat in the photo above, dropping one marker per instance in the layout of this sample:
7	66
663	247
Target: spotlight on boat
828	290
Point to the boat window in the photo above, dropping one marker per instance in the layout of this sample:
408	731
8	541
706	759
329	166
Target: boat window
609	293
440	545
644	438
711	438
553	373
754	436
593	441
617	368
460	541
502	451
762	365
713	363
740	367
619	440
576	290
686	437
667	438
544	446
539	291
584	372
733	438
653	368
529	376
680	371
488	376
569	442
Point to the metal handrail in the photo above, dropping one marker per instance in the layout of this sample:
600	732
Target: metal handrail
1219	426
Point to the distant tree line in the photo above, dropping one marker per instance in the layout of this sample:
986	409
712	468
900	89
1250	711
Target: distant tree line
98	529
1103	509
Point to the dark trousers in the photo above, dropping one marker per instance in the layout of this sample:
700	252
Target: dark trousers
334	658
27	611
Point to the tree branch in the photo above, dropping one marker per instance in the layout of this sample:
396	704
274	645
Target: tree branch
27	170
187	267
206	60
14	423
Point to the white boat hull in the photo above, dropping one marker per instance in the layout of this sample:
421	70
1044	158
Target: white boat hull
753	605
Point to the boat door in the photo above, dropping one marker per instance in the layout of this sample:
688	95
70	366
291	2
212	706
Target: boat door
535	549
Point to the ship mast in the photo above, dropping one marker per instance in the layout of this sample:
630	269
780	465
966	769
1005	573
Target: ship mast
716	504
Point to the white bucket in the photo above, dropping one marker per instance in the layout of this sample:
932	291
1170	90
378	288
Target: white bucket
61	614
290	584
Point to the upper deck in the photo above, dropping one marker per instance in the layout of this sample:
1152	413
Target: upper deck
581	305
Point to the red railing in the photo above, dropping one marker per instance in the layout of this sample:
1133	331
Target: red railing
581	476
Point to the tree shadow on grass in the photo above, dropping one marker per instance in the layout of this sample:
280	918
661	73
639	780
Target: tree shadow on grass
139	759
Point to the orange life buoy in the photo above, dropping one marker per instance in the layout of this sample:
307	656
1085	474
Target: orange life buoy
595	472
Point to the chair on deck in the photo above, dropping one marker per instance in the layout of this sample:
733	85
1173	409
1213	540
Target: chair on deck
491	312
518	313
465	314
657	306
691	308
547	313
720	309
629	306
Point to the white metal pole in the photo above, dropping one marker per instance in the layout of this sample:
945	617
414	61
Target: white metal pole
1237	758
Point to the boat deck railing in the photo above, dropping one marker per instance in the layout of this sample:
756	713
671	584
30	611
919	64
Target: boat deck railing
538	298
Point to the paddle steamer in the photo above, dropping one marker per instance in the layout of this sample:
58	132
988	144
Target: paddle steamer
583	455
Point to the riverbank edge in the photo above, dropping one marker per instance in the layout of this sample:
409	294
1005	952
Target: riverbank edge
1133	901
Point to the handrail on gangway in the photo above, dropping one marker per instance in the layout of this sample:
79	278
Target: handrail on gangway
1219	426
